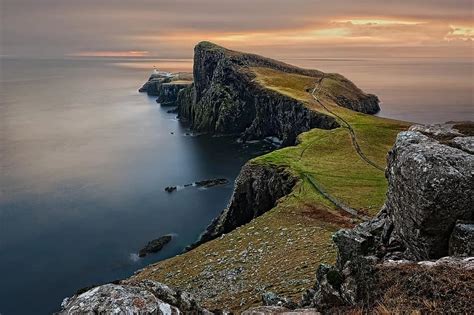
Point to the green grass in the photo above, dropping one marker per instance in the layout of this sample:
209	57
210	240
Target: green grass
304	216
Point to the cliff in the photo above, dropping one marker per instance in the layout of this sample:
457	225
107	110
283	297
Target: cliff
166	86
228	99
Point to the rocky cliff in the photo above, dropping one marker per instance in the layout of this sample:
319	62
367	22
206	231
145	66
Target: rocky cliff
166	86
257	189
226	99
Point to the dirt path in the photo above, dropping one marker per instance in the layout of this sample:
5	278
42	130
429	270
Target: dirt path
355	144
357	148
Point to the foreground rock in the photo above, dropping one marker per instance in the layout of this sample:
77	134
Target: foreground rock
145	297
392	259
155	245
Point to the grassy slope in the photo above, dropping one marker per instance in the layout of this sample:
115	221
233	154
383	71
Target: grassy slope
280	250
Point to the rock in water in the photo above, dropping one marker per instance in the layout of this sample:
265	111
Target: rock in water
212	182
155	245
171	189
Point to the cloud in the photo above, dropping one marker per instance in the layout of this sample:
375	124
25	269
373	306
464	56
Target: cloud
170	28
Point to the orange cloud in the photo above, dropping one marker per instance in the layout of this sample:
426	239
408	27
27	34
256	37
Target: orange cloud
106	53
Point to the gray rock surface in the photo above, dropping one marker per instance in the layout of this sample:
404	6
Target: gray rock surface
461	242
431	186
144	297
272	299
116	299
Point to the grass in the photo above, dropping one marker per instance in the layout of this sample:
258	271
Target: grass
280	250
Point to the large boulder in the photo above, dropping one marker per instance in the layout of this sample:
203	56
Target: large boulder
431	186
143	297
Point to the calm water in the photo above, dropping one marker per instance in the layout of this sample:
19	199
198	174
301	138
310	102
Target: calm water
84	159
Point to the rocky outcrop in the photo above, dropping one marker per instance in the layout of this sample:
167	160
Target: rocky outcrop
257	189
461	242
167	86
428	215
225	98
144	297
168	92
155	246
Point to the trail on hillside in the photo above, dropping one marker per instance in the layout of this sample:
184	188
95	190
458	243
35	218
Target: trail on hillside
357	148
355	144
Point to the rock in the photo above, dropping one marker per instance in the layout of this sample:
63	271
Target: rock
272	299
167	86
111	298
461	242
430	195
431	186
463	143
212	182
171	189
327	290
437	131
155	245
142	297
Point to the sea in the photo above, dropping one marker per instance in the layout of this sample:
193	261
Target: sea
85	158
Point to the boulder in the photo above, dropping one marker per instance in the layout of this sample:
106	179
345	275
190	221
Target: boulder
431	186
116	299
272	299
461	242
142	297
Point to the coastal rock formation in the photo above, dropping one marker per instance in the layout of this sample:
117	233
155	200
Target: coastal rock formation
167	86
225	98
257	189
155	246
428	215
145	297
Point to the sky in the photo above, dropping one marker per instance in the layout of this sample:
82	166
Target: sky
277	28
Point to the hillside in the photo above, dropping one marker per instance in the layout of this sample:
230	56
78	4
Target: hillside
288	203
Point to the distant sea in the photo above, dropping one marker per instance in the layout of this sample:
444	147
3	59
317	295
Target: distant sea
84	159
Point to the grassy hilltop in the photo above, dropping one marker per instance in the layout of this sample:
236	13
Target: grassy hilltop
280	250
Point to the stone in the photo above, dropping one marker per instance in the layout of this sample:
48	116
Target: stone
116	299
155	246
171	189
431	186
272	299
461	242
212	182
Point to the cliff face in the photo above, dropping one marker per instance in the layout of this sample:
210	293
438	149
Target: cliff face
257	190
166	86
227	100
